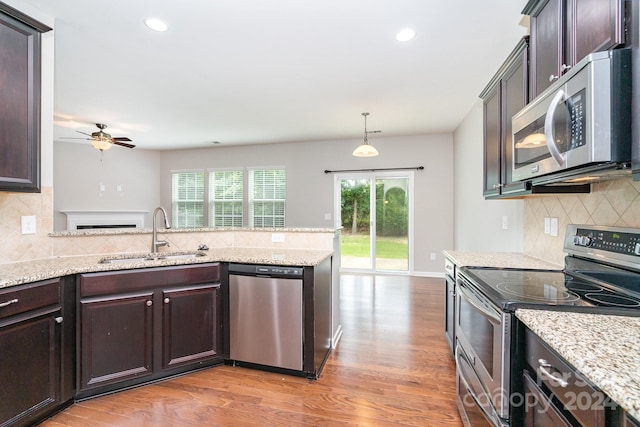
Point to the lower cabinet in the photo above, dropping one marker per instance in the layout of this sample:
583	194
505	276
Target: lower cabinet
34	337
142	325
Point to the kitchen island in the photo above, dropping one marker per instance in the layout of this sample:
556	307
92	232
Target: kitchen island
116	319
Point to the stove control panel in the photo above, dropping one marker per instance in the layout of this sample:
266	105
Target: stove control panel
627	243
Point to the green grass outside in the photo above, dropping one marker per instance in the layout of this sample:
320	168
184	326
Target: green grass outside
386	247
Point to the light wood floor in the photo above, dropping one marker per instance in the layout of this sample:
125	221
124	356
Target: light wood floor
392	367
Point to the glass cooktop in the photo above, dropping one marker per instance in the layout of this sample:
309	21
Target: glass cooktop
516	288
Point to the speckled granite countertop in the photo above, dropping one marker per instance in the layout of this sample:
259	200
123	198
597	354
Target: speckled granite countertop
32	271
606	349
499	259
117	231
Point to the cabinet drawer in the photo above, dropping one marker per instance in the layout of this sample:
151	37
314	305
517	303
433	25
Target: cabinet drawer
20	299
586	403
106	283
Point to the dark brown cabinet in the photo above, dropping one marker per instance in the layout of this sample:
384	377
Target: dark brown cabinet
142	325
565	31
35	335
506	94
20	106
116	341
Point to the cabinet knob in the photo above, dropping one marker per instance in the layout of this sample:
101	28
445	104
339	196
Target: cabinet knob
7	303
166	300
149	303
553	78
59	319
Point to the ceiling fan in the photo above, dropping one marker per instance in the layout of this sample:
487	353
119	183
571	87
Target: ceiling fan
103	141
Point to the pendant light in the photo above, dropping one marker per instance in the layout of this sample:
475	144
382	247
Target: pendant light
365	149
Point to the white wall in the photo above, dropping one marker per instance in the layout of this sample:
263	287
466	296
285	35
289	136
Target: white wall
310	190
80	169
478	222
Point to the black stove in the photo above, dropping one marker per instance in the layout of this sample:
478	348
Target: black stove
601	274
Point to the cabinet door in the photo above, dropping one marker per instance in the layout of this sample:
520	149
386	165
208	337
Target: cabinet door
29	368
191	318
547	45
596	25
492	143
514	97
116	339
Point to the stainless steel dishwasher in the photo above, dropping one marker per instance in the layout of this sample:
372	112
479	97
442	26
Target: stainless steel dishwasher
266	315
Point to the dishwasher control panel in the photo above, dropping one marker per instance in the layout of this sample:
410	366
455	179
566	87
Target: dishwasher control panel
265	270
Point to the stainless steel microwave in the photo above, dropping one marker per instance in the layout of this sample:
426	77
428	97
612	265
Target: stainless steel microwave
580	125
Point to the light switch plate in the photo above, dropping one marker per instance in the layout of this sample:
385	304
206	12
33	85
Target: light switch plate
277	237
554	227
28	224
505	222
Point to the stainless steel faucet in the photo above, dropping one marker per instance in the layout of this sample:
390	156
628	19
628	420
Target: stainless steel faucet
155	242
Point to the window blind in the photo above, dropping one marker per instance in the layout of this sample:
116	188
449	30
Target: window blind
187	194
267	196
225	198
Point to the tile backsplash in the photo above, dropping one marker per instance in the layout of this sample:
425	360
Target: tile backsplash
615	202
15	246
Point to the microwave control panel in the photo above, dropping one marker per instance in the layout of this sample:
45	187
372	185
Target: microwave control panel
576	108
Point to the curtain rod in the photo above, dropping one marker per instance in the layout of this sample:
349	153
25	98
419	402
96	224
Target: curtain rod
374	170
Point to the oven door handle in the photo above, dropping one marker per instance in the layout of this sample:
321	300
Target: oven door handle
493	417
492	317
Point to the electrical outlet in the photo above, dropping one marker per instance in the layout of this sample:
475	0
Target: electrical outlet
327	217
433	256
102	187
119	187
277	237
28	224
554	227
505	222
547	225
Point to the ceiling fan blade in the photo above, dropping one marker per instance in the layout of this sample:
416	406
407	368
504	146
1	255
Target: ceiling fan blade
84	133
123	144
71	137
122	138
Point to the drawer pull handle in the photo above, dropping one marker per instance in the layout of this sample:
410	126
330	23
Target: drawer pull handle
545	372
7	303
59	319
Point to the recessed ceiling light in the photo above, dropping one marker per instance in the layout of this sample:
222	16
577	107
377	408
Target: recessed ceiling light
405	35
156	24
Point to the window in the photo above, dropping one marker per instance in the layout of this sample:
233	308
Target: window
187	194
267	195
225	198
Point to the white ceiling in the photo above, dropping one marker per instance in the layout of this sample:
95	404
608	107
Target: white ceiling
257	71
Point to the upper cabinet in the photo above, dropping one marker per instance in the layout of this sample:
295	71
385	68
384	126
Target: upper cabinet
565	31
504	96
20	106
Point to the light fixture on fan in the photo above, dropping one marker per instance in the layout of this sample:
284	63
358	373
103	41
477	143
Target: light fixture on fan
101	143
365	149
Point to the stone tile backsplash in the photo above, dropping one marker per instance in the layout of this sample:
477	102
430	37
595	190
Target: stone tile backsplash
615	202
15	246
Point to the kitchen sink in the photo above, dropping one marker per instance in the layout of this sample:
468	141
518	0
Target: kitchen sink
121	259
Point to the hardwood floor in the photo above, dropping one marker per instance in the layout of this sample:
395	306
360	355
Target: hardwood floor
391	367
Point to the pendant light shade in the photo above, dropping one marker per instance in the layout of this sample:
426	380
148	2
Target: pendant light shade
365	149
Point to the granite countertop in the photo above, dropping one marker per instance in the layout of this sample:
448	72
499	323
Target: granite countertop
604	348
119	231
499	260
32	271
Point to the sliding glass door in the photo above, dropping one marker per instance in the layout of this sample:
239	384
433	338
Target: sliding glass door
374	210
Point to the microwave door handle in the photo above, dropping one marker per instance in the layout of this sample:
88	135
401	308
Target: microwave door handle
548	128
492	317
